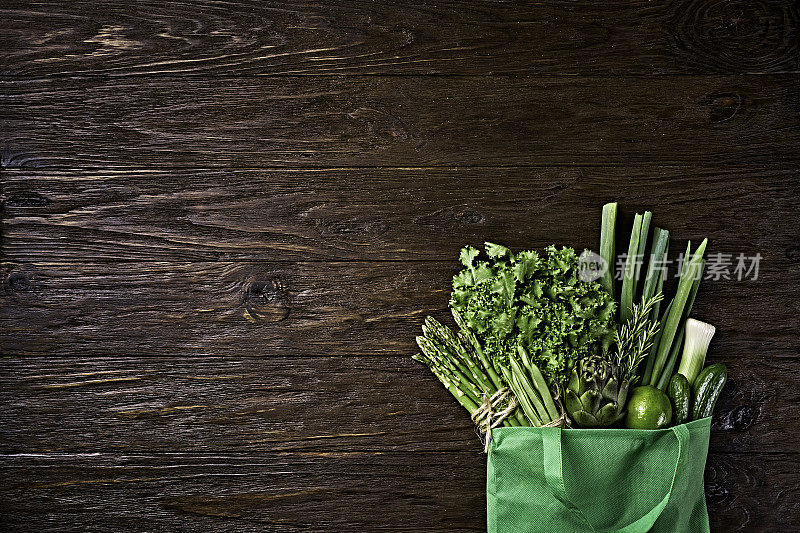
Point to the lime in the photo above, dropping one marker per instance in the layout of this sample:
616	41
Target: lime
648	408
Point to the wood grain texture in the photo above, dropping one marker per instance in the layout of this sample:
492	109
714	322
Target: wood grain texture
264	492
187	184
473	37
399	121
289	492
331	405
273	309
384	214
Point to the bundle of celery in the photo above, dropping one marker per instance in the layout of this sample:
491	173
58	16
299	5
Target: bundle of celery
552	347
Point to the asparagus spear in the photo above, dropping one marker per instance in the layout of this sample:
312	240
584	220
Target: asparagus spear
461	367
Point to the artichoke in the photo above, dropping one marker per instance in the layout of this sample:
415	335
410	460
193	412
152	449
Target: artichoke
595	396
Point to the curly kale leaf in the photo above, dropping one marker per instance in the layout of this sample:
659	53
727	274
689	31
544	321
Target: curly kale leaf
533	300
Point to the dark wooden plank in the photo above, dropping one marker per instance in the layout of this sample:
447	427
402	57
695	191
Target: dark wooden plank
267	492
324	492
753	492
384	214
320	405
473	37
244	308
399	121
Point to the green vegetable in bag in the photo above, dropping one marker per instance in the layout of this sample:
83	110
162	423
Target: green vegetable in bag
598	387
534	301
680	393
707	388
648	408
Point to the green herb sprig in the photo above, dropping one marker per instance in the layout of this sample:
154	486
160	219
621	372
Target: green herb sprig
635	337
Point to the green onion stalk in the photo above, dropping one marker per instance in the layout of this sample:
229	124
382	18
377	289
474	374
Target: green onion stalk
654	280
667	373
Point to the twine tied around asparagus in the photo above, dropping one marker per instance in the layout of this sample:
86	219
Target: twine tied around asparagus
496	408
557	423
492	412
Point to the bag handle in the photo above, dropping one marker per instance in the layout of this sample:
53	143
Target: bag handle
553	473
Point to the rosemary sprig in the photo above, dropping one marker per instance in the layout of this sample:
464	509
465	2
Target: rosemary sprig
635	337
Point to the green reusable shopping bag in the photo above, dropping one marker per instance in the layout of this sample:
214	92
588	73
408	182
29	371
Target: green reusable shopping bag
605	480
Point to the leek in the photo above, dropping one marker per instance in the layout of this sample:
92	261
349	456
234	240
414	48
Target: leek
654	280
698	337
630	276
666	374
672	320
607	247
651	357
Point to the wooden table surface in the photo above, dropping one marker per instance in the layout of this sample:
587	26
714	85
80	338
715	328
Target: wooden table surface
223	223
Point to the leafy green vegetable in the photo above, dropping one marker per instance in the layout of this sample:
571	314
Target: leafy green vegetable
536	302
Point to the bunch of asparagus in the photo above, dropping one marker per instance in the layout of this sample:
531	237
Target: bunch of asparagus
458	361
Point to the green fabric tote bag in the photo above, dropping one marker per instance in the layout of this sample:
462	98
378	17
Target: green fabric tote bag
597	480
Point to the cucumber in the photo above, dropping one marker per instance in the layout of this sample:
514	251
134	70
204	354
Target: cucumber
707	387
680	393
